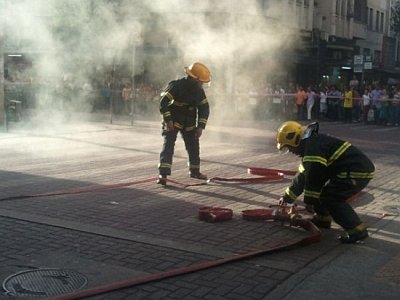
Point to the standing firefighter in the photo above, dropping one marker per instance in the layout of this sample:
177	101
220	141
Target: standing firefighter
331	171
184	107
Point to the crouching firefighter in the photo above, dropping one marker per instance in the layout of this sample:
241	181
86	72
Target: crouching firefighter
331	171
184	108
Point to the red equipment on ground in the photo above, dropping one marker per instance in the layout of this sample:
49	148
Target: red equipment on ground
215	214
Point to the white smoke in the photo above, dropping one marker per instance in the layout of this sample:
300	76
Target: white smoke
74	40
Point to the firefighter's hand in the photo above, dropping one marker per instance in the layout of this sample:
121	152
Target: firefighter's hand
292	210
287	208
281	202
199	132
170	126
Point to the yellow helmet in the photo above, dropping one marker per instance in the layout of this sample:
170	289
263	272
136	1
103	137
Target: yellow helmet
199	72
289	134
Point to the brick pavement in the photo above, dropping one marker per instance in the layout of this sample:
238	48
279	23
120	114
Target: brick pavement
141	229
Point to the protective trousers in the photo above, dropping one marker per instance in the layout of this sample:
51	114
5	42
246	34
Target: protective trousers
192	147
333	201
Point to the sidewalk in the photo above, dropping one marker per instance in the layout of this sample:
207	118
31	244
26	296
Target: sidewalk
76	241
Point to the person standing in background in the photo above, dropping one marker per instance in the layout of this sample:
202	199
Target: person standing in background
323	107
354	83
375	98
366	105
348	105
126	95
310	102
301	97
276	106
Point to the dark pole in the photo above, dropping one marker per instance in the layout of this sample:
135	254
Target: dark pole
112	91
3	112
133	85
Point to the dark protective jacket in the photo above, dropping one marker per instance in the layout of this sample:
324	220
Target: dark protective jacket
185	103
326	157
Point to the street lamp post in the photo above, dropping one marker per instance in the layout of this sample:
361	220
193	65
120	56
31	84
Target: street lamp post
112	87
110	57
3	122
133	85
134	41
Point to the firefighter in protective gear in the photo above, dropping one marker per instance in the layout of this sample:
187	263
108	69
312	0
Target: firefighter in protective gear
185	109
331	171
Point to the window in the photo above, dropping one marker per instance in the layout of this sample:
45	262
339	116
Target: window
370	18
398	51
343	8
360	10
382	22
377	21
350	10
338	7
365	12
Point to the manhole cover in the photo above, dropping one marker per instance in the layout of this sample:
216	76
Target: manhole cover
393	209
43	282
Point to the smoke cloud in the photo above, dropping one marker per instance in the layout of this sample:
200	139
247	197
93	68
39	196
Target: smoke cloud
73	42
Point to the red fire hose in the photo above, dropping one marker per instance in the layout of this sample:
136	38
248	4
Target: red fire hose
264	171
86	189
268	175
314	237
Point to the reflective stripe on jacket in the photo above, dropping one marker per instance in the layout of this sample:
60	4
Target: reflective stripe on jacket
185	103
327	157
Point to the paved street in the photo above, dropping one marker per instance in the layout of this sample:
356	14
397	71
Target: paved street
124	226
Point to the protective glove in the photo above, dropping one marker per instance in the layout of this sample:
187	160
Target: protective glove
199	132
170	126
285	207
282	202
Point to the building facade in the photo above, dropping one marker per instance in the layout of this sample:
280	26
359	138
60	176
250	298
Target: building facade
354	39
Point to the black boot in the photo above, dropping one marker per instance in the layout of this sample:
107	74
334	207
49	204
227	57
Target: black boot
162	179
198	175
354	237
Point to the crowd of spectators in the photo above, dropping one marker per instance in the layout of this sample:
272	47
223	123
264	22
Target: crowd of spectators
96	93
370	103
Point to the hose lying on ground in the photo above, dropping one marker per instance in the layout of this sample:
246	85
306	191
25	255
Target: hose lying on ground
267	175
314	237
